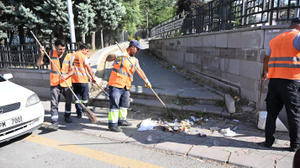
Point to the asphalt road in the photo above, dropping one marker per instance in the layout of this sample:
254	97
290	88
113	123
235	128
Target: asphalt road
65	148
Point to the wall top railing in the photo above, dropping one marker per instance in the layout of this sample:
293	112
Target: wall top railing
220	15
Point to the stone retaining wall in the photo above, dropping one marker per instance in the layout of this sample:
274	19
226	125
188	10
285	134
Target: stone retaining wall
230	60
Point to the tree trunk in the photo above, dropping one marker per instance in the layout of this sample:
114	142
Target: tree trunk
83	38
10	36
21	34
93	40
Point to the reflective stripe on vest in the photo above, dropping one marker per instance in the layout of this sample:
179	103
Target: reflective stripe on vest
122	73
284	61
66	66
81	74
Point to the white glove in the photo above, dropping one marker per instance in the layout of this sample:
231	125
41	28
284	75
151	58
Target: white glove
148	84
121	54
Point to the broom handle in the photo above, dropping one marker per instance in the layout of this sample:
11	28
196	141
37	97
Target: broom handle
100	87
56	68
259	100
144	79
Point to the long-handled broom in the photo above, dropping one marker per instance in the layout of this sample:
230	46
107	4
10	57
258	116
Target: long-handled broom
88	112
259	100
168	111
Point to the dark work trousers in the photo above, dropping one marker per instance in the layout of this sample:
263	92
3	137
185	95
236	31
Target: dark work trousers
82	92
118	98
283	92
56	91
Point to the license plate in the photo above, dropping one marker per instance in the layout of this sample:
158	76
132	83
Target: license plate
11	122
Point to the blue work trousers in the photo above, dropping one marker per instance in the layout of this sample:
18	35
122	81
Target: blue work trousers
82	92
119	98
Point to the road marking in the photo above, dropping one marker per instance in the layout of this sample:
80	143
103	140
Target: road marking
94	154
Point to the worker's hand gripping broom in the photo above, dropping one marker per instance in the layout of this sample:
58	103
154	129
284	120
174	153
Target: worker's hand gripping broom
88	112
168	111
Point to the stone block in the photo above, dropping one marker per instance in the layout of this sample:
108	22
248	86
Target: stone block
250	69
230	103
222	40
252	55
246	39
198	41
234	66
227	52
269	35
189	57
209	41
248	94
187	42
240	53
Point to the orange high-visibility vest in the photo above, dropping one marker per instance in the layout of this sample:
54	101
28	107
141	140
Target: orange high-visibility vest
122	73
284	61
66	66
80	75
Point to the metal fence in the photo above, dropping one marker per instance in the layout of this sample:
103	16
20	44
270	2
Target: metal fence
24	56
219	15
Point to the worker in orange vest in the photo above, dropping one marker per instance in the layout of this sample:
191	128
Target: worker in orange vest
80	79
282	68
120	82
64	63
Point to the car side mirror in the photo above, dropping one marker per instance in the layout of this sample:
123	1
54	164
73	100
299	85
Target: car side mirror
8	76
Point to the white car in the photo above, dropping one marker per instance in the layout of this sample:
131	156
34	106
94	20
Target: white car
21	111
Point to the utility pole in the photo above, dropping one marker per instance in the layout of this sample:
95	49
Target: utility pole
71	22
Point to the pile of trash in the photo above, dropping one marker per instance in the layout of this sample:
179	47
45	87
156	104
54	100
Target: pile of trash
185	126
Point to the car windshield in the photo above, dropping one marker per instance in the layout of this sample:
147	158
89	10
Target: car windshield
1	78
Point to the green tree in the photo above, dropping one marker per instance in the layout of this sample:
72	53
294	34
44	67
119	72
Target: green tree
55	18
132	18
108	15
83	17
158	11
187	5
17	17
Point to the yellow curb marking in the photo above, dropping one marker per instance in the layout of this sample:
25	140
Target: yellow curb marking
94	154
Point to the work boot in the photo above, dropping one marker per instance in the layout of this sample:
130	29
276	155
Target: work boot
294	148
266	144
115	128
125	123
79	115
53	127
68	118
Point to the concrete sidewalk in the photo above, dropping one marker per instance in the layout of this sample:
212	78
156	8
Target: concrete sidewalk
240	150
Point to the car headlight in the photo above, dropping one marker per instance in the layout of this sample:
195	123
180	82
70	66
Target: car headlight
33	99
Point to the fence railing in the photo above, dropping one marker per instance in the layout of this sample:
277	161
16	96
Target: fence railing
219	15
24	56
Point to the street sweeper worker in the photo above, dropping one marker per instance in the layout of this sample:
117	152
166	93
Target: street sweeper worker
58	86
282	68
80	79
120	82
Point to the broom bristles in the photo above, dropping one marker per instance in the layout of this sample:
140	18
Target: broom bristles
90	114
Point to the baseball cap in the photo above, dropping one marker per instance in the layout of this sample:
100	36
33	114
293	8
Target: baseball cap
136	44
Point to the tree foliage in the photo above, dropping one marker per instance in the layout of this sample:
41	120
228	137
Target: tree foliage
187	5
50	17
132	18
157	10
108	14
